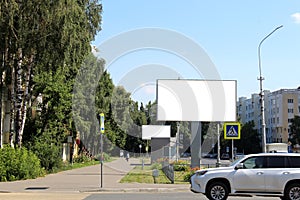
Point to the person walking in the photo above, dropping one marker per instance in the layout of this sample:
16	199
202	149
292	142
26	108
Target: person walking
127	156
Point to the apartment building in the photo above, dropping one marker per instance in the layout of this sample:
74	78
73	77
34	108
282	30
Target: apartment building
280	108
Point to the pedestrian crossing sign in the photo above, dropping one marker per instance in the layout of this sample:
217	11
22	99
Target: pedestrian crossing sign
232	130
102	123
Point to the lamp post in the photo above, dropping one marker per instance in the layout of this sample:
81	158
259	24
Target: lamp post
262	101
140	146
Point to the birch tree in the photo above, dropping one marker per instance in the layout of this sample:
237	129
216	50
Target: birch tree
43	39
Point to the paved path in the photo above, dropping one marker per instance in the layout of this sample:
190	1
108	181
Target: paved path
87	180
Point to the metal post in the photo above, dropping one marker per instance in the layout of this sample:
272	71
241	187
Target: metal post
232	150
102	130
218	164
261	78
101	160
177	142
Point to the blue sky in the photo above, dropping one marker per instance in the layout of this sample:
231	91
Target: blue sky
228	31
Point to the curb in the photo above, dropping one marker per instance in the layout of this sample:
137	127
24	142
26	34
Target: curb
134	190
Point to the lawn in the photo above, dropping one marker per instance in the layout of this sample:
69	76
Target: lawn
139	175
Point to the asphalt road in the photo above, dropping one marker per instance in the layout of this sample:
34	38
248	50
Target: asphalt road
164	196
118	196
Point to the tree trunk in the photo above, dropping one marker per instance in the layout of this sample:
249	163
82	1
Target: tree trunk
1	100
12	105
19	100
26	97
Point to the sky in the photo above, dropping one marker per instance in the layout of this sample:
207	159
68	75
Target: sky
147	40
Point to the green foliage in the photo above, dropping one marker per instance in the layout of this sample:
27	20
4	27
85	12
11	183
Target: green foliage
106	157
187	176
82	158
48	153
156	165
48	41
181	165
295	130
18	164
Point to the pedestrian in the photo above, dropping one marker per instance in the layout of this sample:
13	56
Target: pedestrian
127	156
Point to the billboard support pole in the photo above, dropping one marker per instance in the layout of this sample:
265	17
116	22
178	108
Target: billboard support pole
196	144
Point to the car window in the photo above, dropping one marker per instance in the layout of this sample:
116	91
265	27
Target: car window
277	161
249	163
294	161
254	162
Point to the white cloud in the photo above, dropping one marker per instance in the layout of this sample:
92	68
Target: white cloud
296	17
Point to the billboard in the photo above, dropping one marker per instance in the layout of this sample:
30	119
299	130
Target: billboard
196	100
155	131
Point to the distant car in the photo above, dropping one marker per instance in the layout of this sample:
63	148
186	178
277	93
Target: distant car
185	155
225	156
264	174
210	155
239	155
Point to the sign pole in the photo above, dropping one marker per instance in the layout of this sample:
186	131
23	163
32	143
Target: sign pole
101	147
232	130
101	160
232	150
218	164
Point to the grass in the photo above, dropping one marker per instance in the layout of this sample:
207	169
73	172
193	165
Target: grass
68	166
139	175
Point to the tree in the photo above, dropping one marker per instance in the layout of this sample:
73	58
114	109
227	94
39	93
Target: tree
85	101
41	42
295	130
249	141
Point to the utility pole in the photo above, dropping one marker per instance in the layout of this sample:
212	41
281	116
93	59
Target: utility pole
261	94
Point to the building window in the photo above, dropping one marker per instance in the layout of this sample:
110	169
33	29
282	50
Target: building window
290	110
273	120
290	100
290	120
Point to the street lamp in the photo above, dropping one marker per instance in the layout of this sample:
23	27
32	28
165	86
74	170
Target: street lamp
262	101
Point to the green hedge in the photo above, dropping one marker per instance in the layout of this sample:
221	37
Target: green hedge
48	154
19	164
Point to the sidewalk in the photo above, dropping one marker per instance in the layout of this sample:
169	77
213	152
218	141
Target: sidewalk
87	180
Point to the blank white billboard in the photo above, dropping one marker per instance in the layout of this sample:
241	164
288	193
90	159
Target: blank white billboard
155	131
196	100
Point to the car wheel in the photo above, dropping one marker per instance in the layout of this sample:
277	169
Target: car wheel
292	192
217	191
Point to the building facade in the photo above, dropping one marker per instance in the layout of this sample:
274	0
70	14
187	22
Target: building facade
281	106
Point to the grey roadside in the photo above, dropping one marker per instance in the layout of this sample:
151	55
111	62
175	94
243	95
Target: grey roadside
87	180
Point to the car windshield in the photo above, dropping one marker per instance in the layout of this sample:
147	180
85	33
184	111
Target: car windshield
236	161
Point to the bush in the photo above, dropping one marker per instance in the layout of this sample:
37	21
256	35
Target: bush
82	158
106	157
49	155
18	164
156	166
181	166
191	171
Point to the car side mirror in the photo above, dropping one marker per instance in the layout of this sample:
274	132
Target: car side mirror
239	166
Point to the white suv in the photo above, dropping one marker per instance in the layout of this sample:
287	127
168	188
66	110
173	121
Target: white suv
266	174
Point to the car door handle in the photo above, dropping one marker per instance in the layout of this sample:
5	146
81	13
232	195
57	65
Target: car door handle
259	173
286	173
